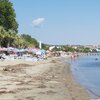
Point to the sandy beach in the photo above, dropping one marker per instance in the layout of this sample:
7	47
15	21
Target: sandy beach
49	79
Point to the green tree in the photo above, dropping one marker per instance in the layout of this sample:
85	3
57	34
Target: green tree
9	38
31	41
86	50
68	49
19	42
2	35
8	16
44	46
94	50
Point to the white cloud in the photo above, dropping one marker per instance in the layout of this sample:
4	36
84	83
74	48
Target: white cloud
38	22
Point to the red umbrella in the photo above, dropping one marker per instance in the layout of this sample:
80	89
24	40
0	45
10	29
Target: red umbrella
3	49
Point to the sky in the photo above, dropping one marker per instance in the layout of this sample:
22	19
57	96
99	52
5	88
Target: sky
74	22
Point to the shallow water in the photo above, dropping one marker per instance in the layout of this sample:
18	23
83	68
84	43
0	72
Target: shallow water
87	71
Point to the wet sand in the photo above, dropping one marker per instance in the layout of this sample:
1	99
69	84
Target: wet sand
42	80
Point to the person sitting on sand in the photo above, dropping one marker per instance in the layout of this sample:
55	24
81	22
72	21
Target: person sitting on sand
1	57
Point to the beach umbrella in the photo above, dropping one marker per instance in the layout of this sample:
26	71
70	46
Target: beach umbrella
30	50
39	52
22	50
34	50
10	49
16	50
3	49
43	51
26	50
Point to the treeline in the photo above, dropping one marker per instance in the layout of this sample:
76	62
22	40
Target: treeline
9	28
68	48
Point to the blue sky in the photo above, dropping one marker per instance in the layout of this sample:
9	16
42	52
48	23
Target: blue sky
60	21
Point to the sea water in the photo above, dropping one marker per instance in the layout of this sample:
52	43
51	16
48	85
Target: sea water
87	72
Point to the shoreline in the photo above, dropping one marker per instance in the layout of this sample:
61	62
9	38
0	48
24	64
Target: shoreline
77	91
49	79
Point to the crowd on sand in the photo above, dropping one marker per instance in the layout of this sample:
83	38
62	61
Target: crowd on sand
33	54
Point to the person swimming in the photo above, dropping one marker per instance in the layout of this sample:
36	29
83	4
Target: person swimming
96	58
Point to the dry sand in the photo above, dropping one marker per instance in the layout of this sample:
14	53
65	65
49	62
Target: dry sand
43	80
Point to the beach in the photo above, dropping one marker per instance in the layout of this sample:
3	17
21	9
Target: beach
49	79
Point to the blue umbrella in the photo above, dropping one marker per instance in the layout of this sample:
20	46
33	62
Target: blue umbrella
16	50
22	50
